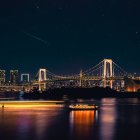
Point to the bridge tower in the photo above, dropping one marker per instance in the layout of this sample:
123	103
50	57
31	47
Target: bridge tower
42	76
107	72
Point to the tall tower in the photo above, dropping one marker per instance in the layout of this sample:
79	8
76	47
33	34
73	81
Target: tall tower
25	78
107	71
14	76
2	77
42	76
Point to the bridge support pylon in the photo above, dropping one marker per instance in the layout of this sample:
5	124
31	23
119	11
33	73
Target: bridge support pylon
107	72
42	76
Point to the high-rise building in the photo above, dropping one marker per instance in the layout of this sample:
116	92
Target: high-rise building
2	77
14	76
25	78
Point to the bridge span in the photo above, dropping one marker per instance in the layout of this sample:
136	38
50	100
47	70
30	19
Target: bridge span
106	73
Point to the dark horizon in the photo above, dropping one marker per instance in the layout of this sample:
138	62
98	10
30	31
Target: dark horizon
68	36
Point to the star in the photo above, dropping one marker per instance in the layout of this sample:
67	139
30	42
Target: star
103	15
37	4
37	7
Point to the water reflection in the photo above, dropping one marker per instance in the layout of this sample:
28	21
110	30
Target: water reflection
27	123
108	116
81	124
113	121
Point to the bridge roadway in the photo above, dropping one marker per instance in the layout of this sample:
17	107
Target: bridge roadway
86	78
57	79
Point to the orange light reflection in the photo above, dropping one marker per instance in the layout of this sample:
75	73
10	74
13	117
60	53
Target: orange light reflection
81	121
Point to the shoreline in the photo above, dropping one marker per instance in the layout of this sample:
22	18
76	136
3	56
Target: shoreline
69	93
83	93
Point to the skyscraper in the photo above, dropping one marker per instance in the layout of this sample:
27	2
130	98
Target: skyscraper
25	78
14	76
2	77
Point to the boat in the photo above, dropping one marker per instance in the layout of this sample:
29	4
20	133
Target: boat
83	107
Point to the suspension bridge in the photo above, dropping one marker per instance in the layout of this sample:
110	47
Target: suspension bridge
105	73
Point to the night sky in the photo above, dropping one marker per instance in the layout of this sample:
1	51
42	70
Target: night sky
68	35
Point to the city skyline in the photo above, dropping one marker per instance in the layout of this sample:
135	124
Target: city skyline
13	76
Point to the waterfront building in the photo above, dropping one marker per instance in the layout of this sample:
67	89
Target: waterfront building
25	78
2	77
14	76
